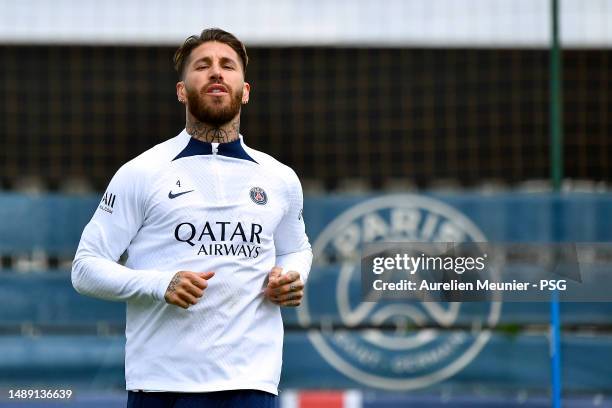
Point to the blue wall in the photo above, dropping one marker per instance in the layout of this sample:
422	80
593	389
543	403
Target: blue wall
514	356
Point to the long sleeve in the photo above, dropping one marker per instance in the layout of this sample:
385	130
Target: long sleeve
293	250
95	271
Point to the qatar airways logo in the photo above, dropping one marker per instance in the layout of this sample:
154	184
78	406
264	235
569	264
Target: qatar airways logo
221	238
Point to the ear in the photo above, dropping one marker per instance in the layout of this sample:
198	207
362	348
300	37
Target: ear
246	89
181	94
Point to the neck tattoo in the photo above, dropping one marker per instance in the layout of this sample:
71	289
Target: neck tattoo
214	134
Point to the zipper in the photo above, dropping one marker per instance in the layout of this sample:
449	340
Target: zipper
217	174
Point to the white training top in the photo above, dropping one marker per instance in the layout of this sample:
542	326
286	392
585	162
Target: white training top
196	206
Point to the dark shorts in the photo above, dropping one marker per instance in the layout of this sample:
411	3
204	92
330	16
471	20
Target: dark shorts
220	399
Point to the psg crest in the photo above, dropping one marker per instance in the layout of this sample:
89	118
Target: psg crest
413	355
258	195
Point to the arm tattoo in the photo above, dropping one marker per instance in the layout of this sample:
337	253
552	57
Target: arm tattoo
175	280
211	134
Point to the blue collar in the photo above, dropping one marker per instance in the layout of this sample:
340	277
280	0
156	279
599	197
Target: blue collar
231	149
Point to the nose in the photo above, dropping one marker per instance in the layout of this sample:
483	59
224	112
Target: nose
216	73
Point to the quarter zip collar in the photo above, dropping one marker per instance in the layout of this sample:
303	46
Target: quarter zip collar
234	149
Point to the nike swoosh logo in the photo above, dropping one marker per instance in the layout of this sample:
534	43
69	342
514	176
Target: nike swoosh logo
171	196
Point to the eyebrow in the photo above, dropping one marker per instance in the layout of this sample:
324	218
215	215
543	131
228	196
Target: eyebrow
223	60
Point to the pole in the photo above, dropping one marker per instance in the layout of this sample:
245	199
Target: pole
556	156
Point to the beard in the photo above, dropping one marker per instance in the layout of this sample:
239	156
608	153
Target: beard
216	113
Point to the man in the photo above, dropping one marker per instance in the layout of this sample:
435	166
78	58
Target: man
215	241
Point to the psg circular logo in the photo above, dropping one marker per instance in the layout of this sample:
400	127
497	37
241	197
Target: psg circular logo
258	195
413	355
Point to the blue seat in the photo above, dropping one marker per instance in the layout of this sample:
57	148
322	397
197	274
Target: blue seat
52	223
73	361
47	298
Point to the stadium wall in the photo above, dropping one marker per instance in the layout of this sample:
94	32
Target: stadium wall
51	335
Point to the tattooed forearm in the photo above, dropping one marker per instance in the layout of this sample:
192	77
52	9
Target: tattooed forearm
226	133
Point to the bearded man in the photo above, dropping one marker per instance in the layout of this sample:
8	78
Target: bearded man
215	244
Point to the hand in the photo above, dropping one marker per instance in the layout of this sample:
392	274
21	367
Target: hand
186	288
284	290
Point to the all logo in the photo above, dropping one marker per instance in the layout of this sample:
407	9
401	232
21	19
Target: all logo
109	199
258	195
107	203
408	352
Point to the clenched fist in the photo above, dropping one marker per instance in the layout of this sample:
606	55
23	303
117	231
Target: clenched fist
186	288
284	290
